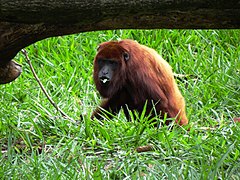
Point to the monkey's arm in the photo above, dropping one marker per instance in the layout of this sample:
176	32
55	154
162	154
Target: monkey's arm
113	105
99	111
108	105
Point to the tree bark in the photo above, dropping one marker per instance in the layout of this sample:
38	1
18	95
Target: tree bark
23	22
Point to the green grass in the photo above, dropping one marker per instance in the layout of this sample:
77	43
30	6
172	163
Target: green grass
37	143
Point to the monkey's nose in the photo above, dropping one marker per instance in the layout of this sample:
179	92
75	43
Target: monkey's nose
105	72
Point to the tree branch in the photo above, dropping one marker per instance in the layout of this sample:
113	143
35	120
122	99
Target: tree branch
25	22
43	89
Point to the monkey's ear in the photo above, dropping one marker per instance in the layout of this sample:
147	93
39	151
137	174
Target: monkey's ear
126	56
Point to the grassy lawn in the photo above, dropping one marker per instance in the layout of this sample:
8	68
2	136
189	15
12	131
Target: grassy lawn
37	143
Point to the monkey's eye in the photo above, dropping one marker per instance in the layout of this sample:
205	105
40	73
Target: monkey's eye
100	62
126	56
112	63
107	62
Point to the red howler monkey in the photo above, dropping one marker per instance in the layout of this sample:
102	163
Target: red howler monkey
128	75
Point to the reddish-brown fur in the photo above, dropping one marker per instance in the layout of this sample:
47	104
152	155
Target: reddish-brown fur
144	77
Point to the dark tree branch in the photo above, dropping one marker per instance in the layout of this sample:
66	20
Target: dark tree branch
25	22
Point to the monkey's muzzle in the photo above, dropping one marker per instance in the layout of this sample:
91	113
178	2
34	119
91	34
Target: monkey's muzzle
104	80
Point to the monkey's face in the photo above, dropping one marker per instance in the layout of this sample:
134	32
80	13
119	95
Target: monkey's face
109	68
